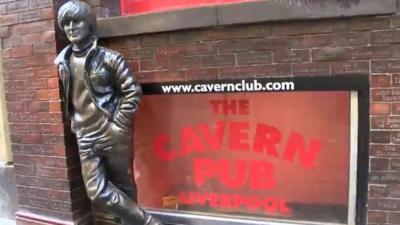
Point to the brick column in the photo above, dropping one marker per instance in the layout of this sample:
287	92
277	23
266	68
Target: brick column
50	187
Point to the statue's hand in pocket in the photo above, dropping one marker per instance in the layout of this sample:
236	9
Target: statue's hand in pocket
108	140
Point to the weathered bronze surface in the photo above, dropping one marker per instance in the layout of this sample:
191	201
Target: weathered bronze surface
100	96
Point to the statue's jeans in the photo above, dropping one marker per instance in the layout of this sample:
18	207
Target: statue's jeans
108	174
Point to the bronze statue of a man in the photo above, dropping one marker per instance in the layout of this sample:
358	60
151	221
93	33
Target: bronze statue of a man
100	96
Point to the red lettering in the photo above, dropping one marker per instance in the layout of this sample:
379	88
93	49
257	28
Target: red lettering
267	138
253	203
225	201
213	200
159	148
296	144
238	134
215	106
235	180
229	107
190	142
244	107
270	205
186	200
203	169
262	175
233	107
213	140
282	206
201	198
238	201
233	174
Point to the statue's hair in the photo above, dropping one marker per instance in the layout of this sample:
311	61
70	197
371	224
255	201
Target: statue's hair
76	10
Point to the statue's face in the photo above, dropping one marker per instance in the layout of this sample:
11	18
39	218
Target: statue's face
77	31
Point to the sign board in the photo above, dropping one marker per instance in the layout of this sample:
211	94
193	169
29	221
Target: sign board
281	155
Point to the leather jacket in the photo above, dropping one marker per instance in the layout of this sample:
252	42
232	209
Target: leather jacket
112	86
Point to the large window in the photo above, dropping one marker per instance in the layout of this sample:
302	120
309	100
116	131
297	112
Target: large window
260	156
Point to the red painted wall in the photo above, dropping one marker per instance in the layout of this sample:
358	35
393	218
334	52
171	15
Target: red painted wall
144	6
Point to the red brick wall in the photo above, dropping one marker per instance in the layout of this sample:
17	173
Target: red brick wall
366	45
47	170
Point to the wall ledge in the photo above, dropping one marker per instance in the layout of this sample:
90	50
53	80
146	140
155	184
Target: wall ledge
230	14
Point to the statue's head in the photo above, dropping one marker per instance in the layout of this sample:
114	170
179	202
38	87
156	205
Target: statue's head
78	21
